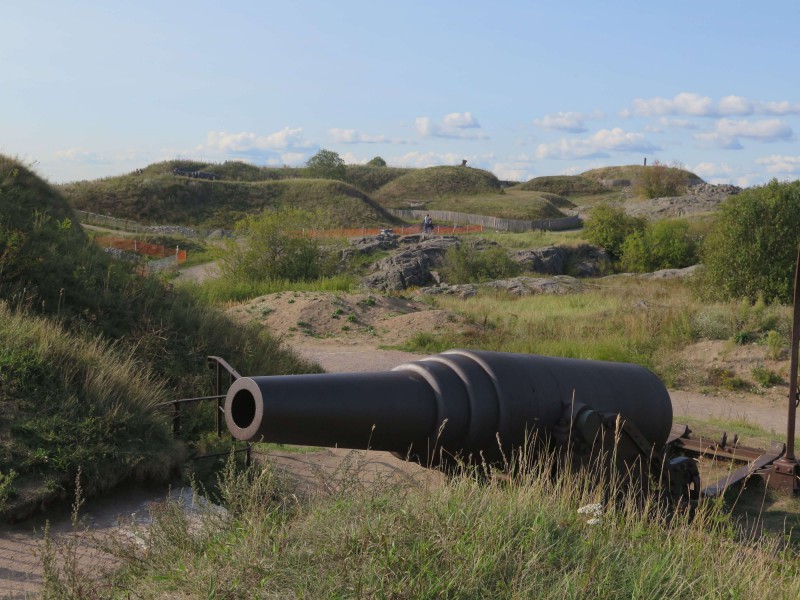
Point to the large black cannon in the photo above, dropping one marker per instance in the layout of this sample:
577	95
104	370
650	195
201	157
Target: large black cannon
462	404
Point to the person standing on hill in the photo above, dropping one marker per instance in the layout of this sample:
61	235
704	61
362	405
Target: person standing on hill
427	224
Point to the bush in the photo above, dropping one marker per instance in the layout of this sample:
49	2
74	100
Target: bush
608	226
753	247
468	264
275	249
663	245
659	180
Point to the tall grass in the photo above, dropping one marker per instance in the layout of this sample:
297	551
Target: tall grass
221	290
465	537
620	319
73	403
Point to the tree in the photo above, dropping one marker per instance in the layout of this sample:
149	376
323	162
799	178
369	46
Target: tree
377	162
608	227
275	249
753	247
327	164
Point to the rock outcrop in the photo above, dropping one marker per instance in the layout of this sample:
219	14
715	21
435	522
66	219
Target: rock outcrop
410	266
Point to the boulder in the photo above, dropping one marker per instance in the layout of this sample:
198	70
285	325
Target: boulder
411	266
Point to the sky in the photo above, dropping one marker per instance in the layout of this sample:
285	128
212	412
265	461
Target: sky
523	88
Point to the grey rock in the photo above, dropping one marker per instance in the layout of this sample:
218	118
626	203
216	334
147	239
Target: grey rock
551	260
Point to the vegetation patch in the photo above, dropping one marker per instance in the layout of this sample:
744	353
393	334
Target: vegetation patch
433	182
564	185
167	198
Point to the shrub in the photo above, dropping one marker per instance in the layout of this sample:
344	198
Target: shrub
377	162
765	377
659	180
753	247
663	245
468	264
274	249
608	226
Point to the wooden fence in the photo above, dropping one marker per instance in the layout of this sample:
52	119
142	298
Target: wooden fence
495	223
401	230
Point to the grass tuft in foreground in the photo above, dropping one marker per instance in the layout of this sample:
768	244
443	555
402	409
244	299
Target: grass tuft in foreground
464	537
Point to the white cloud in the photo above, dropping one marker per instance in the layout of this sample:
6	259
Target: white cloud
708	170
517	169
677	123
597	145
461	121
247	141
433	159
776	164
726	132
454	125
782	107
573	122
685	103
79	155
352	136
695	105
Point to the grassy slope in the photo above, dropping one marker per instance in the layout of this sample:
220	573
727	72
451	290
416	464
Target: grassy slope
369	179
464	538
436	182
49	269
629	172
512	204
563	185
166	198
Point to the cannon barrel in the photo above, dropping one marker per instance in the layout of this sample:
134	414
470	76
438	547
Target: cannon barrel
461	401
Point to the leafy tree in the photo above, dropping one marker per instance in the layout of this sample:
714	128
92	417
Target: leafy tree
659	180
327	164
663	245
608	226
753	247
276	249
377	162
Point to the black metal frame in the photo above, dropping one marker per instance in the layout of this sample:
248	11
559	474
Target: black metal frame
220	366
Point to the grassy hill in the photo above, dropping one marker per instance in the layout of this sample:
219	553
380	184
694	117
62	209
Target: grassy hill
510	205
564	185
436	182
369	179
87	347
631	173
166	198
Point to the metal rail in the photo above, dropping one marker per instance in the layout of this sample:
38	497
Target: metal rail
220	367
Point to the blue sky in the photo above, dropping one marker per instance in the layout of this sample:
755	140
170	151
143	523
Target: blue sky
522	88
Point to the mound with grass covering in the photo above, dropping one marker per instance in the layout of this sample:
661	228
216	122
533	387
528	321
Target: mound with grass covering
167	198
70	312
369	178
564	185
631	174
231	170
436	182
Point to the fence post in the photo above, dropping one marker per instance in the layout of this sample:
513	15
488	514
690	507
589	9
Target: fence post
176	420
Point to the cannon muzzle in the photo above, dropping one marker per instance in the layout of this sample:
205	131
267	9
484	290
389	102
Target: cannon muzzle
461	403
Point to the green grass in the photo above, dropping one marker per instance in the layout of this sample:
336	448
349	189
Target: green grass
168	199
87	345
465	537
563	185
630	172
627	320
221	290
509	205
369	179
433	182
69	402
